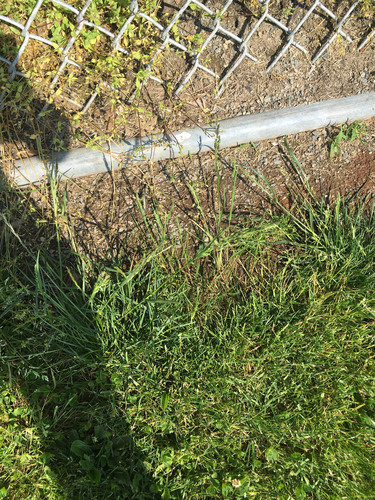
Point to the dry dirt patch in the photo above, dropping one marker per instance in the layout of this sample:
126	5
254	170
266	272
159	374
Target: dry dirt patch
105	209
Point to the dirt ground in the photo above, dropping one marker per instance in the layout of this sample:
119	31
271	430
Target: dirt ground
342	71
104	208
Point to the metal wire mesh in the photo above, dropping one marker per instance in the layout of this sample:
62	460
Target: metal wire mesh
169	40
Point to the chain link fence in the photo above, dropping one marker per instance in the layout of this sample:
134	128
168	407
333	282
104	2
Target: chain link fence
173	34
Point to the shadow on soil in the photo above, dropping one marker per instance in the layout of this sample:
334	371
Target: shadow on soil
82	446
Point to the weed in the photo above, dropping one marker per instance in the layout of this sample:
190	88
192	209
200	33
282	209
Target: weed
348	133
367	8
288	12
97	67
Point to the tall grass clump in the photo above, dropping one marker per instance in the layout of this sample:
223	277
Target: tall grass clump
241	369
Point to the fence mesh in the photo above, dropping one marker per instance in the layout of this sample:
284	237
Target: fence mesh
172	33
78	55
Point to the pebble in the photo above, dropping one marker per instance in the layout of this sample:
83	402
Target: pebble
276	161
267	99
296	63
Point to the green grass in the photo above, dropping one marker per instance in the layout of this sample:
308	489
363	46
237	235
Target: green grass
242	369
348	133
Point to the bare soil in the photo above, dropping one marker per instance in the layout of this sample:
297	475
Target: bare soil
104	210
342	71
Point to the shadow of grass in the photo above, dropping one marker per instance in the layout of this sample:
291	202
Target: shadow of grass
61	435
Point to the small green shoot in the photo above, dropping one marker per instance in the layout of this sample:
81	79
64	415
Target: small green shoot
354	131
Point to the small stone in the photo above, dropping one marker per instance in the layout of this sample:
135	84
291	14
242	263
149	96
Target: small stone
296	63
276	161
267	99
362	74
